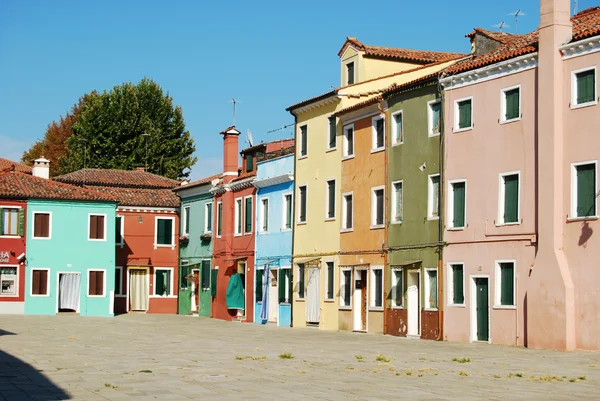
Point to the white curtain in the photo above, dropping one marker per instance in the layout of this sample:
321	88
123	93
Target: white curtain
138	290
313	307
69	290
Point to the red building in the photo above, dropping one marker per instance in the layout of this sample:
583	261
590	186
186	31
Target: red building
147	245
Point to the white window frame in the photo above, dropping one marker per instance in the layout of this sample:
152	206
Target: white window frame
301	136
87	289
574	104
498	284
426	305
31	294
503	119
325	298
430	104
16	281
171	280
450	211
298	221
327	218
374	224
121	241
49	237
206	230
252	217
156	244
327	148
186	211
89	223
393	297
262	215
501	201
393	216
573	215
450	281
373	289
345	211
218	219
345	154
119	291
10	207
238	217
374	148
457	114
284	211
342	305
430	215
347	80
395	128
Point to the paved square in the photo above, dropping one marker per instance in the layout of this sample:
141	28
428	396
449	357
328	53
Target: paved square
139	357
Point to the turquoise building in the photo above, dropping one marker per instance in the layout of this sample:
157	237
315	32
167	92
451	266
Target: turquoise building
274	222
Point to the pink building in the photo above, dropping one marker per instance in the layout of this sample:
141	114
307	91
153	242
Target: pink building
520	198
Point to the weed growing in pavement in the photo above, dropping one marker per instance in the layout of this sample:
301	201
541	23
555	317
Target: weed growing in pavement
461	373
145	371
359	358
382	358
286	355
461	360
519	374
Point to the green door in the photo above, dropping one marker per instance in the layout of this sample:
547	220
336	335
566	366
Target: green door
204	296
482	302
185	291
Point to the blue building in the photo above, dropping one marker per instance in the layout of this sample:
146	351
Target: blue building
274	222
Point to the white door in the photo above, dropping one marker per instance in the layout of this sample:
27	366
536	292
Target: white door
195	290
313	307
359	303
69	289
273	299
413	303
138	289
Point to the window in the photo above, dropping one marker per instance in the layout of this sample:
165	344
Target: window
162	282
183	272
348	150
583	190
346	288
301	280
97	227
285	286
39	282
249	163
456	292
433	200
397	202
431	291
330	281
287	200
378	130
264	215
397	288
505	283
219	218
208	217
330	200
511	104
119	230
186	220
377	287
457	204
509	198
118	280
397	128
332	133
96	283
42	223
248	215
238	216
11	221
434	109
303	141
463	114
377	207
8	279
260	273
583	87
350	73
205	275
164	235
302	209
347	212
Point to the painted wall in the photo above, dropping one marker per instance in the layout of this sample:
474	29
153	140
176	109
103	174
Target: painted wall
69	250
13	247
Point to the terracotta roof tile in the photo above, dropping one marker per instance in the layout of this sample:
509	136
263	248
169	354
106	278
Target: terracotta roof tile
202	181
417	56
143	197
397	88
312	100
117	178
25	186
19	167
244	175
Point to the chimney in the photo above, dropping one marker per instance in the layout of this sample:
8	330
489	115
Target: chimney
41	168
230	153
140	168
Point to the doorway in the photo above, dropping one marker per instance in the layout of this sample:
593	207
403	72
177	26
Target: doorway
195	290
359	308
241	270
413	297
313	299
480	309
272	297
69	292
138	290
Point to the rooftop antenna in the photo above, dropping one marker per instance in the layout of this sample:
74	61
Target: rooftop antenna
235	102
250	140
518	14
575	7
501	25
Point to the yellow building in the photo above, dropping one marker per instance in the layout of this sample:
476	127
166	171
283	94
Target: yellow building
365	72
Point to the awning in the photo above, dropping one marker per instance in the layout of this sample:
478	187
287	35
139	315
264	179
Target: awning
237	258
410	262
267	262
308	261
364	265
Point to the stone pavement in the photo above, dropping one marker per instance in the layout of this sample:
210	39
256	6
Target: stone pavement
152	357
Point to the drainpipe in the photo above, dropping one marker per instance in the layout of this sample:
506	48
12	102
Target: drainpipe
384	245
440	335
293	221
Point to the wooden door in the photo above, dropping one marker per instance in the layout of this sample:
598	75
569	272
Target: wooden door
363	298
482	309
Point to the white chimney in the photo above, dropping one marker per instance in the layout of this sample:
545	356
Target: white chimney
41	168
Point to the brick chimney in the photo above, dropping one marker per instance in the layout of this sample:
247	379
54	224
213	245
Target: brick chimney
41	168
230	153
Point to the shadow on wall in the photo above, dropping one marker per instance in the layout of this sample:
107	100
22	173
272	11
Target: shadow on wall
586	234
21	381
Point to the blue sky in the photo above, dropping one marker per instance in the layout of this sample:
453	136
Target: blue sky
268	55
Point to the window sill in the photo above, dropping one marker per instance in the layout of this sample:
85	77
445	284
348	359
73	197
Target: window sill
285	230
207	232
39	296
46	238
96	240
377	227
330	218
237	235
457	130
330	150
299	300
96	296
347	157
375	308
505	307
397	143
329	301
457	305
433	134
512	120
431	218
250	233
583	105
377	150
430	309
345	308
516	223
164	246
583	218
303	157
347	230
396	222
455	228
262	232
398	307
301	223
10	236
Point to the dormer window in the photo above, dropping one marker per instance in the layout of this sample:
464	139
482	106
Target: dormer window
249	163
350	73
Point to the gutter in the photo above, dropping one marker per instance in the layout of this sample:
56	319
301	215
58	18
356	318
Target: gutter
294	200
440	305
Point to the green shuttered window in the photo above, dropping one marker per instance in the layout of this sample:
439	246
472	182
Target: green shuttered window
465	114
350	73
12	222
249	163
302	216
285	286
435	110
118	233
458	210
219	218
164	231
458	294
378	278
332	133
330	280
586	190
162	285
303	140
511	99
248	214
511	198
259	284
209	217
586	86
507	283
331	199
288	211
214	273
186	220
398	128
205	275
301	281
397	288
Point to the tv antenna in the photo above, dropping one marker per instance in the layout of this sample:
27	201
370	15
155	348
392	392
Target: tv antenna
249	138
235	102
518	14
501	25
